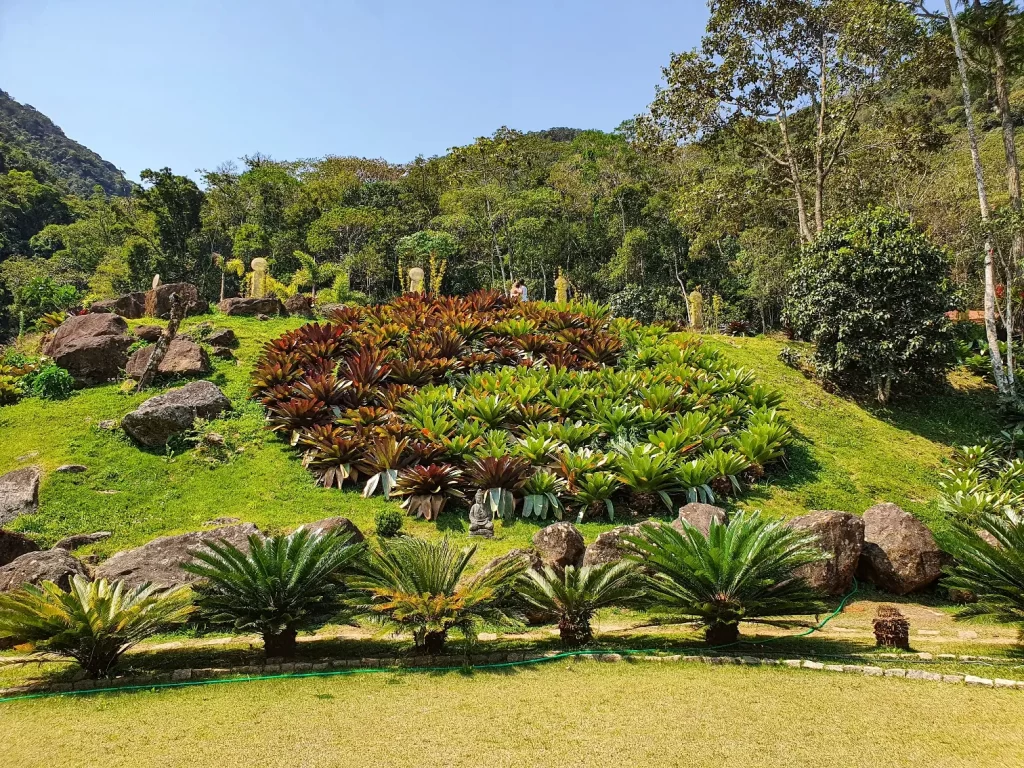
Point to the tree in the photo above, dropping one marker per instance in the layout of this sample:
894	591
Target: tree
789	78
176	203
871	292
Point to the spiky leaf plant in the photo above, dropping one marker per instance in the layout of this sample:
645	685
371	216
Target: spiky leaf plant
990	567
94	622
381	460
648	473
332	455
425	490
499	478
418	586
276	587
741	571
576	594
593	491
540	495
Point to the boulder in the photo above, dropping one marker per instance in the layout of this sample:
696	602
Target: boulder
149	333
158	300
81	540
160	561
299	306
14	545
222	337
131	305
341	524
184	358
92	347
19	493
56	565
527	557
900	554
71	469
699	516
222	353
163	416
841	536
268	305
559	545
608	546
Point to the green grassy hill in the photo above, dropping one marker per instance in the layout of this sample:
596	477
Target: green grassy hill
848	457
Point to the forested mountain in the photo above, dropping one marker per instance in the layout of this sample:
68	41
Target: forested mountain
25	130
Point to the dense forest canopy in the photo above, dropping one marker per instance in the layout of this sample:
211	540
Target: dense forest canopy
789	114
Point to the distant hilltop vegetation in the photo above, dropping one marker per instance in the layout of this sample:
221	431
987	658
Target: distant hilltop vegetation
26	131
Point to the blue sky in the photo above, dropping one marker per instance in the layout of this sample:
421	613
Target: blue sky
192	83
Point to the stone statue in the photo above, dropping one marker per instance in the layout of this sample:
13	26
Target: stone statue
258	286
480	522
415	280
156	282
697	310
561	288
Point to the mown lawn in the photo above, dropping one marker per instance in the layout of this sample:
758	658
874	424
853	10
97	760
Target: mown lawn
848	458
560	714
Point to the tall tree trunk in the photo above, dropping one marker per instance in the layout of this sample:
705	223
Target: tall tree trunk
794	176
819	149
991	331
163	343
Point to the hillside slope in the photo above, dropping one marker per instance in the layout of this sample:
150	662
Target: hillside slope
847	458
23	127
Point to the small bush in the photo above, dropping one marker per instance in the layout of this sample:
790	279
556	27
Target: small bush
388	522
52	383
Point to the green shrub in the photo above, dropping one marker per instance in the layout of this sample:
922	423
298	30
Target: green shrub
388	522
52	383
94	622
871	292
990	568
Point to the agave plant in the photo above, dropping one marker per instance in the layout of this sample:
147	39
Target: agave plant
540	495
94	622
576	594
425	490
742	571
649	473
499	478
595	490
418	586
275	586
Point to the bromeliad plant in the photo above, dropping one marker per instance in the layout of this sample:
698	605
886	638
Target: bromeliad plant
418	586
93	622
276	587
740	571
541	495
426	490
499	479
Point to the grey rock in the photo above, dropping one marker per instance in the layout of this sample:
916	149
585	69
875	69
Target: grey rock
81	539
251	306
183	358
13	545
222	353
262	318
900	554
158	300
341	524
163	416
56	565
71	469
223	521
161	560
222	337
149	332
525	557
130	305
92	347
19	493
699	516
299	305
608	546
841	536
560	545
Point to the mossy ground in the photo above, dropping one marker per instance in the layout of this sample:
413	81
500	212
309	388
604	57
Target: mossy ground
848	457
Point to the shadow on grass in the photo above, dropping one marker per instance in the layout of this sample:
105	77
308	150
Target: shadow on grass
949	415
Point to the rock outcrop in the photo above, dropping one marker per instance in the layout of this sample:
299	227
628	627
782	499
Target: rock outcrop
149	333
77	540
251	307
343	525
299	305
222	337
19	493
183	358
160	561
559	545
92	347
131	306
608	546
900	554
841	536
699	516
56	565
13	545
161	417
158	300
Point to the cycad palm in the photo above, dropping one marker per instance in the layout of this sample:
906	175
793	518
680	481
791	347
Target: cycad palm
742	571
94	622
992	572
419	586
281	585
577	593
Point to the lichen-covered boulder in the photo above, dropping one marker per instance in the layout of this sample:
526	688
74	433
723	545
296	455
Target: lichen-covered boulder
183	358
841	536
900	555
56	565
251	307
559	545
19	493
608	547
92	347
13	545
699	516
161	560
161	417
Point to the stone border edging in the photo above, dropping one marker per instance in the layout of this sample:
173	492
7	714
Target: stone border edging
256	671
